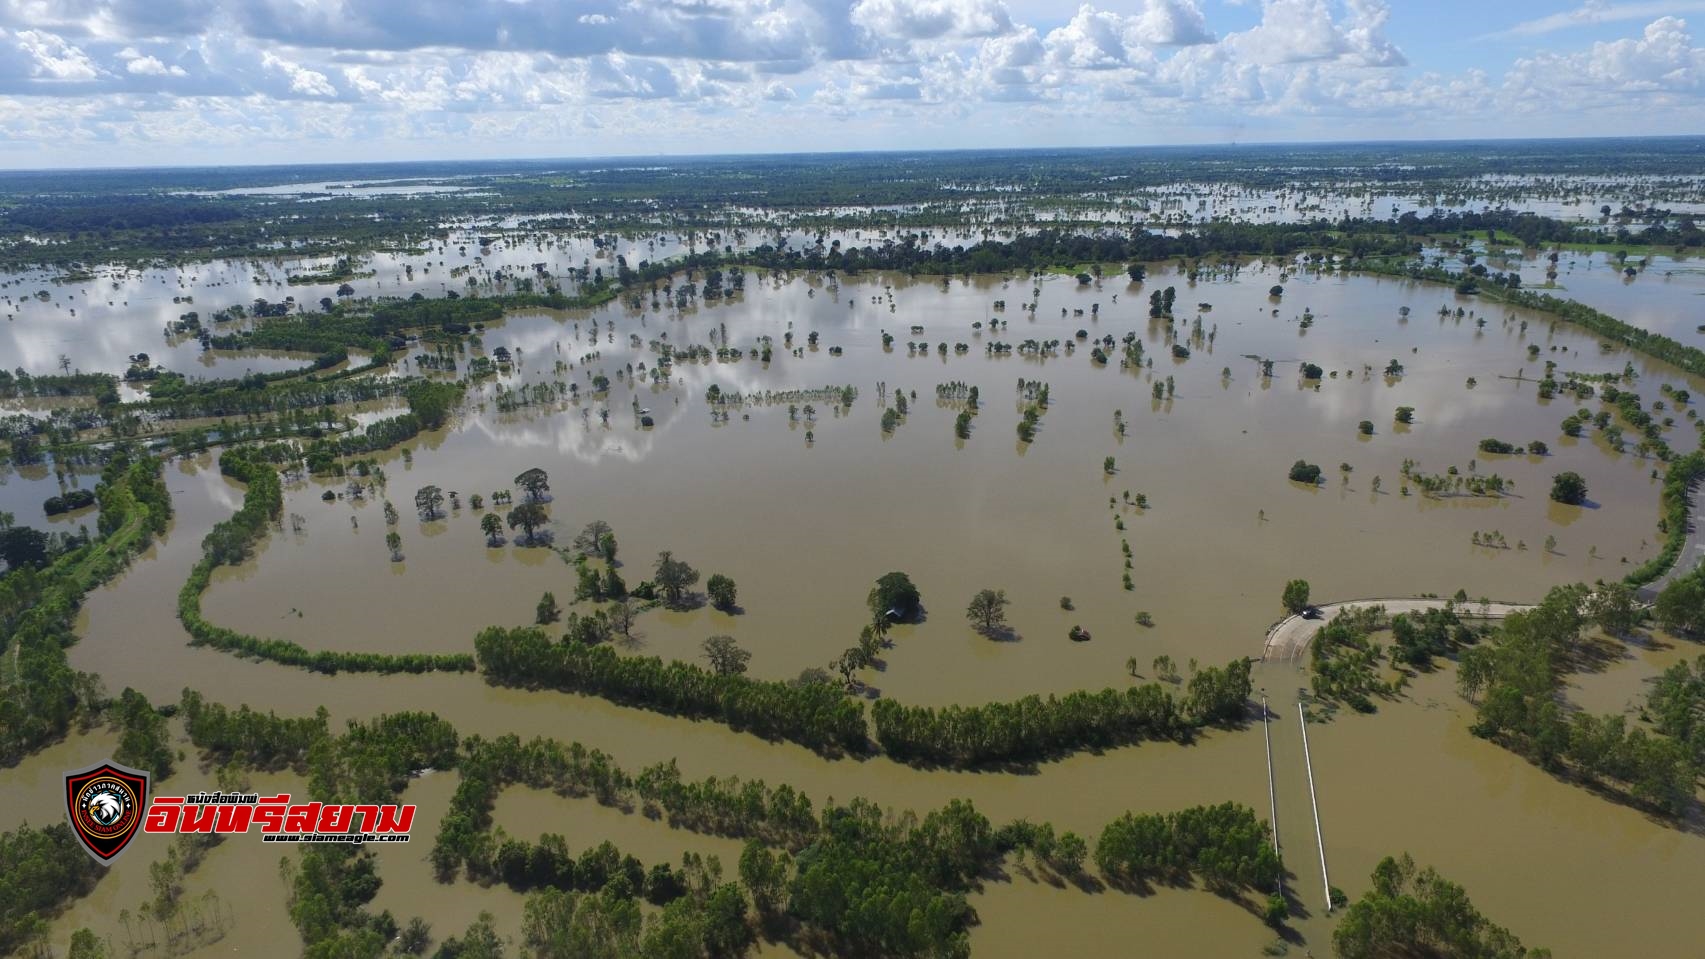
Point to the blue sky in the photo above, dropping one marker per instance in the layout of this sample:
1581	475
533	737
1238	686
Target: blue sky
137	82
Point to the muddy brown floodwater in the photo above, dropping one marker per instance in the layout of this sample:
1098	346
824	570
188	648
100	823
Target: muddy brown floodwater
805	527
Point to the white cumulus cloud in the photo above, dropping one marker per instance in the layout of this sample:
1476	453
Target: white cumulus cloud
302	80
50	57
148	66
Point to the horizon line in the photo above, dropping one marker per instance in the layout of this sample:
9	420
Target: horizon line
632	157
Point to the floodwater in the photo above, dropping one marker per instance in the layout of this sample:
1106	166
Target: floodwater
1666	296
410	889
1558	865
1223	531
24	491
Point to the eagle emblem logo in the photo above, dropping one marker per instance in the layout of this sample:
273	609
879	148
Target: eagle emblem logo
104	803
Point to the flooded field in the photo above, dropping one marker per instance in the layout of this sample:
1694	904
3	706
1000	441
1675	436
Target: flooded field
1666	296
804	510
988	511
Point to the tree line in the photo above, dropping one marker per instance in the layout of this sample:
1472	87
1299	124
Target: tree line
1033	728
815	715
378	327
1516	682
1673	506
820	716
38	608
231	541
1225	846
1420	913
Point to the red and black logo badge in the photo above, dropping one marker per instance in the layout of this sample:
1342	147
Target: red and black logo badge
105	804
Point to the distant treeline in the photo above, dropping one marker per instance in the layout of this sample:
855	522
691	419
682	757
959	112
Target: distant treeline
97	217
1056	248
380	327
14	385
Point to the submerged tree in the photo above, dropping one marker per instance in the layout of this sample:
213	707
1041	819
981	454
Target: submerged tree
1303	471
623	612
894	593
722	592
725	656
536	482
548	610
674	577
1569	488
987	611
596	539
428	502
528	517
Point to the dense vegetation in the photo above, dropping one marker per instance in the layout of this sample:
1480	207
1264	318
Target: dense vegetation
854	879
868	881
1516	682
42	695
1224	846
380	327
40	870
1683	472
1035	728
1677	706
1410	913
815	715
1345	663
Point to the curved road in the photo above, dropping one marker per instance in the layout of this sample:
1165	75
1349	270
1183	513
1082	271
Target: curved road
1287	641
1691	550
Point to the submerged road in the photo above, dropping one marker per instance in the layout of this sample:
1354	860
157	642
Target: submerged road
1287	641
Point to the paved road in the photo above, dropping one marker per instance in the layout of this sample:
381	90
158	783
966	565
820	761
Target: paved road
1691	551
1287	641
